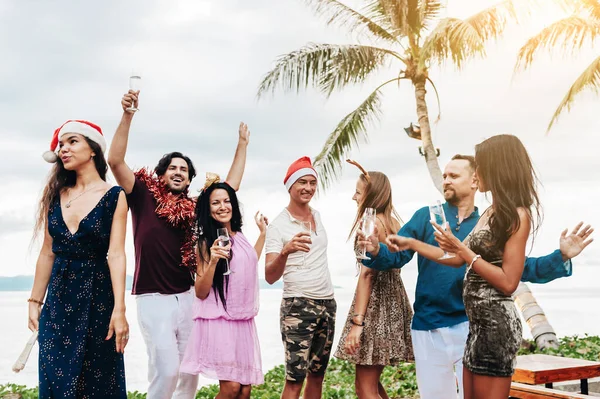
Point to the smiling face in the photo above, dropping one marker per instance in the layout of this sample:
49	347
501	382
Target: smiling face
304	189
74	151
361	188
220	206
177	175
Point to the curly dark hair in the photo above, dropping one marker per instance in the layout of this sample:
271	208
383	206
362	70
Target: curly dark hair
165	161
207	234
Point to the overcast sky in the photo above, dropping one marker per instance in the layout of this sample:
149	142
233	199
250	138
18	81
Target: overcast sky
201	63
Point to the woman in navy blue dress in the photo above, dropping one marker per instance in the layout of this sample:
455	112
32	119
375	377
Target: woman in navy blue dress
80	271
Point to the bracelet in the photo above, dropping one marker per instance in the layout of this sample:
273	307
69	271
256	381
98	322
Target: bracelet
358	315
361	324
474	259
36	301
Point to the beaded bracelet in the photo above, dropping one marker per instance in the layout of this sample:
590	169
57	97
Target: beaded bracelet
36	301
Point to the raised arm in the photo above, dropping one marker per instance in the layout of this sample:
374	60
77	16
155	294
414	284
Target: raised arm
118	147
117	265
558	264
236	172
43	270
262	222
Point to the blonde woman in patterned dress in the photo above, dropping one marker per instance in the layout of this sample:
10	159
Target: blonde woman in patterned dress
377	330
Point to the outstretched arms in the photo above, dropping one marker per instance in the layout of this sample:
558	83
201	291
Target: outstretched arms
118	147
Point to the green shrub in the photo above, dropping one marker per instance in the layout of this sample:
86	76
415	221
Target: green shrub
399	382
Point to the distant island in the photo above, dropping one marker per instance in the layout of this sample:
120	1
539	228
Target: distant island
24	283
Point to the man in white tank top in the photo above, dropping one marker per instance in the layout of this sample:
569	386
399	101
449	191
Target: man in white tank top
296	248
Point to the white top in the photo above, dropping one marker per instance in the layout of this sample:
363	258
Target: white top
310	279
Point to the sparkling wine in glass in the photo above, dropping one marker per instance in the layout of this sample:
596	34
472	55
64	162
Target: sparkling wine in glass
135	81
306	227
367	225
437	215
223	241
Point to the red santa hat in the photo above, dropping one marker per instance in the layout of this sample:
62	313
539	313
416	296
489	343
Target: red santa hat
85	128
299	168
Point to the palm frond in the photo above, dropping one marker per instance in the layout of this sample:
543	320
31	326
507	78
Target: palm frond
338	13
568	34
396	12
462	39
491	22
589	8
429	11
375	11
327	66
452	39
351	129
588	80
353	65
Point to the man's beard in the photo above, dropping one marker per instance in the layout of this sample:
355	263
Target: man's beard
450	196
175	190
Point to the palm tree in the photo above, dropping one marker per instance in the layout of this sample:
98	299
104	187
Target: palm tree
411	36
569	35
408	35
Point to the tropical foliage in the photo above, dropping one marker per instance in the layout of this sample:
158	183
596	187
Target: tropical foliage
400	382
568	35
406	39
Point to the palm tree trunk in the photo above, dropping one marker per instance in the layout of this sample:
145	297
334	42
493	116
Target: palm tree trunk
541	330
428	149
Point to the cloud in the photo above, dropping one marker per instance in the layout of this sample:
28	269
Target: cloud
201	64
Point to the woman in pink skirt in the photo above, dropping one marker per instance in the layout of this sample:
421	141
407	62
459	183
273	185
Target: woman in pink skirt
224	342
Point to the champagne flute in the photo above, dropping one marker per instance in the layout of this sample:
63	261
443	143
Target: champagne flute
367	225
437	215
134	84
223	240
307	227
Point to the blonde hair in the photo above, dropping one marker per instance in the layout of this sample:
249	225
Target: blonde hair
377	195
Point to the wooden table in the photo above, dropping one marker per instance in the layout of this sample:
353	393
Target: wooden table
546	369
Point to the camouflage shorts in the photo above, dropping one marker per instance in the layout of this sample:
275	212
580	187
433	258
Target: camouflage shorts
307	328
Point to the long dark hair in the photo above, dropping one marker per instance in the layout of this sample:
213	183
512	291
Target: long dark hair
207	234
60	178
505	169
377	195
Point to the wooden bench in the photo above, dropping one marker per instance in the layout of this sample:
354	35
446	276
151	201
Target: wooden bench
525	391
546	369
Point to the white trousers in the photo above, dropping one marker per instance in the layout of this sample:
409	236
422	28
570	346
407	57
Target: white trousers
438	359
166	324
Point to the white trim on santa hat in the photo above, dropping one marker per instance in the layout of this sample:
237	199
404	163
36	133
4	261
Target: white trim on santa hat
85	130
294	177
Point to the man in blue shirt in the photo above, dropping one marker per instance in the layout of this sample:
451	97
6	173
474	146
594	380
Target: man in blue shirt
440	324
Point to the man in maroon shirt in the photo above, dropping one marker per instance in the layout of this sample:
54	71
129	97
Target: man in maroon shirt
163	216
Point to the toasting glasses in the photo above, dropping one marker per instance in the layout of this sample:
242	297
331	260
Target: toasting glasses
367	226
223	240
135	81
307	227
437	215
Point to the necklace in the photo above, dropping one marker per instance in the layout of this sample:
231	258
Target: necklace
68	204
